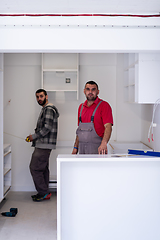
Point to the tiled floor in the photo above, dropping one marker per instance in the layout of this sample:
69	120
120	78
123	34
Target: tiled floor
34	221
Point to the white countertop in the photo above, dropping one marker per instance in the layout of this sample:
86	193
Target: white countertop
105	157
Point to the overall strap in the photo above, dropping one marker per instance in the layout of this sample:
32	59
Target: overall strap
92	117
80	119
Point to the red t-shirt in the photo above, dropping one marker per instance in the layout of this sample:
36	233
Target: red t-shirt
102	116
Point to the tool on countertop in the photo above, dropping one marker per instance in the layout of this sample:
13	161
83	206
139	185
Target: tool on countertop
145	153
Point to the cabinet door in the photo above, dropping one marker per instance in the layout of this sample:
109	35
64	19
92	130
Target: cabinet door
148	80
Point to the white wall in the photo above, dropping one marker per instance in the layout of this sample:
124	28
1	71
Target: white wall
21	79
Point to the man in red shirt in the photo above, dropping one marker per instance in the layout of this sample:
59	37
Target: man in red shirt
95	123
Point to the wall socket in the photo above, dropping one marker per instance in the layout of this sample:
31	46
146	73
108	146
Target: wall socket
68	80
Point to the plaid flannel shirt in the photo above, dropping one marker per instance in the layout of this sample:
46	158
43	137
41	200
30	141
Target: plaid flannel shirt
45	135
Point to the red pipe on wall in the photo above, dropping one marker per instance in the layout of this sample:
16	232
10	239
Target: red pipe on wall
78	15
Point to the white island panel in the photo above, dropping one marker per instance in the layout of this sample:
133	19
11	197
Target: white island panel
108	197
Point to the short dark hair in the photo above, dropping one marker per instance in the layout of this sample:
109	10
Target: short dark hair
92	83
41	90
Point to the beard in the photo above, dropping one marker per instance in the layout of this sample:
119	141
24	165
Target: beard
91	98
41	103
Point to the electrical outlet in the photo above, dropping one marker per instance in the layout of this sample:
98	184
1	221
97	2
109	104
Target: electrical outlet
68	80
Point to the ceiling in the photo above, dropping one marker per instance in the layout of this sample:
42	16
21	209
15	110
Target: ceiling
80	6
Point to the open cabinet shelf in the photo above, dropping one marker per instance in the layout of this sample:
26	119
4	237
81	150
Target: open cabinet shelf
5	184
7	169
60	72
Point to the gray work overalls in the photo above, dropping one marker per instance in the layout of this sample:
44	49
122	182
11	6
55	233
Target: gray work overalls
89	141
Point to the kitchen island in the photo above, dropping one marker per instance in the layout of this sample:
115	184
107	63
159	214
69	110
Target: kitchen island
108	197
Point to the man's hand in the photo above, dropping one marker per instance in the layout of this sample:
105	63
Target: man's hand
76	144
107	133
75	151
29	138
103	148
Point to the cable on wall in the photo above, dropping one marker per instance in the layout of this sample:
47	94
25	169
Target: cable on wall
152	125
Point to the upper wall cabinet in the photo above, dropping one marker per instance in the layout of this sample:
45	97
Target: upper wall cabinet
60	72
142	77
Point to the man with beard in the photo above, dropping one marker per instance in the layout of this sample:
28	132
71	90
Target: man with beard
44	140
95	123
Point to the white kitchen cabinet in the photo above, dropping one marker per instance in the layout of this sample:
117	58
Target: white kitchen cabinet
7	169
141	77
5	149
108	197
60	72
5	184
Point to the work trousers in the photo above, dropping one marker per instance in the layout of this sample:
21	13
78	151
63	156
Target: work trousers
39	168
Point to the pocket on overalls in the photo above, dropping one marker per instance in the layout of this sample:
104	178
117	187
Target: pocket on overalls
84	135
84	132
